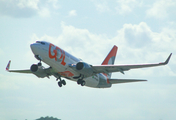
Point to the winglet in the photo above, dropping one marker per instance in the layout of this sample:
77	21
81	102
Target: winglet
8	65
166	62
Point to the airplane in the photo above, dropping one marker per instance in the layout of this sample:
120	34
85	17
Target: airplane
64	65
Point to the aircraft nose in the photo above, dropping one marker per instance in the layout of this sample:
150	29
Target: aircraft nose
34	48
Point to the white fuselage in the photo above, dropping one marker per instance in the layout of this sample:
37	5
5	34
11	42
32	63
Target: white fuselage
60	62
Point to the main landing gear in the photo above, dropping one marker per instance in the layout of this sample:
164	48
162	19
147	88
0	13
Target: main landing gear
61	82
81	81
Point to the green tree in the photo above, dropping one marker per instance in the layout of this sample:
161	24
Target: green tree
47	118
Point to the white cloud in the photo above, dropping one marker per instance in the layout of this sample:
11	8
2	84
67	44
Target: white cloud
72	13
161	8
120	6
44	12
28	3
27	8
126	6
102	7
54	4
137	35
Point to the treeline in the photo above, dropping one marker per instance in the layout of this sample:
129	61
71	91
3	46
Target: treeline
47	118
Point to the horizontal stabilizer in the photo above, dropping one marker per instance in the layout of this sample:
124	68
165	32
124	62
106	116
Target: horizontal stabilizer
116	81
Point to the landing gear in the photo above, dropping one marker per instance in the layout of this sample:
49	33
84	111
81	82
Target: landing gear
61	82
39	58
81	81
40	64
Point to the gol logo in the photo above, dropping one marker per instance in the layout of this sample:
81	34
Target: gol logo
56	52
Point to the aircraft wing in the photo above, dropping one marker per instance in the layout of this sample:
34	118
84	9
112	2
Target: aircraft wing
49	70
18	71
43	72
122	68
117	81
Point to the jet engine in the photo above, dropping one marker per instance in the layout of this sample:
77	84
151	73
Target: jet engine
84	68
39	71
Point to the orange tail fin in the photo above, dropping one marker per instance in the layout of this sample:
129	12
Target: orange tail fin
110	58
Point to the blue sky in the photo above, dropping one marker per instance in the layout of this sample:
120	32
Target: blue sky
144	31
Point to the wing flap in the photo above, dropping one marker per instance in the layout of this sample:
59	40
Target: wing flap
117	81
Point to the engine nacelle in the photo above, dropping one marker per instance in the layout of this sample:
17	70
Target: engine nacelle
39	71
84	68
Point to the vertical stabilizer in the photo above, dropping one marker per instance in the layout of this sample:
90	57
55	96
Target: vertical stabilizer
110	59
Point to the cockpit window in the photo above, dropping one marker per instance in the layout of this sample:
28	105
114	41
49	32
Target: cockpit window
40	42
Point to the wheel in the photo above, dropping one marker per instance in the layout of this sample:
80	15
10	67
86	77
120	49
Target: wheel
39	64
59	84
83	83
79	81
63	82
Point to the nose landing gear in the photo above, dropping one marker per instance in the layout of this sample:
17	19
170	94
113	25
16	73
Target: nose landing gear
61	82
40	64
